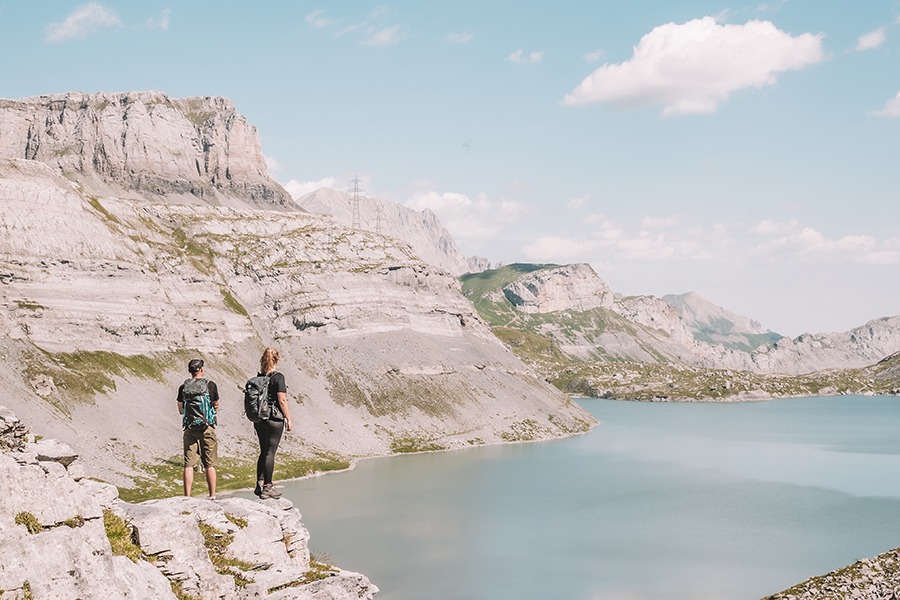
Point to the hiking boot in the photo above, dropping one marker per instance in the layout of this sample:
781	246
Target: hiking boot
269	492
259	486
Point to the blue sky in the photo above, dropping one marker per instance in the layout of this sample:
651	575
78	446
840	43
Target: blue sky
748	152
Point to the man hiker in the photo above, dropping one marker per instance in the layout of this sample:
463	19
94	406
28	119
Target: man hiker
198	400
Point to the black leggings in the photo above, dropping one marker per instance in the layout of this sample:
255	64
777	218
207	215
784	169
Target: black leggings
269	434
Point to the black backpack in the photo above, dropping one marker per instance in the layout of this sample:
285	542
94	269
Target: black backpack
256	399
198	408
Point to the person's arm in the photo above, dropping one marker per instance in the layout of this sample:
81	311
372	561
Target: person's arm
180	401
214	395
285	409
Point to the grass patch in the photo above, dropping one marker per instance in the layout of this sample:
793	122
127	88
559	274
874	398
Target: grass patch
29	305
95	204
232	303
217	543
164	479
81	375
120	536
179	592
319	568
30	522
410	444
239	521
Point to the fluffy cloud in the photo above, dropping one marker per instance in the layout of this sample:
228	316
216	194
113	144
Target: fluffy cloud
594	56
519	56
300	188
318	19
558	249
467	218
871	40
891	109
693	67
84	20
387	36
576	203
461	38
790	242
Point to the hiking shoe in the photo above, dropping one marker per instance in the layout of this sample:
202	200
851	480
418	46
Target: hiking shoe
269	492
258	491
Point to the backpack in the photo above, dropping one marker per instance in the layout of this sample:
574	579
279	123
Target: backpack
256	399
198	408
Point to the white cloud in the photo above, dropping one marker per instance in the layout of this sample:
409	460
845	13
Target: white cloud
768	227
461	38
84	20
318	19
468	218
871	40
811	246
163	22
384	37
576	203
557	249
271	164
519	56
659	222
594	56
891	108
300	188
693	67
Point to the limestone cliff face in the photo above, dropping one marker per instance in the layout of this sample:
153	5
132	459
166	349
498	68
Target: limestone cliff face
427	237
145	142
57	528
571	287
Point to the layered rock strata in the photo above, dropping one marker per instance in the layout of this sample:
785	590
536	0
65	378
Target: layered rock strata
144	142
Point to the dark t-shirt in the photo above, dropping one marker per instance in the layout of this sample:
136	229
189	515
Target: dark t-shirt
276	384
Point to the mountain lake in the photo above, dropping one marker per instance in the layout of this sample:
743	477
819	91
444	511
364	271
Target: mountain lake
671	501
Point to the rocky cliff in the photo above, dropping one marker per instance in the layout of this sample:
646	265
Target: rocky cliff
428	239
192	149
104	298
66	536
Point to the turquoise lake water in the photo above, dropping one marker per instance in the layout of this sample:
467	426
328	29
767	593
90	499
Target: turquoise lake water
662	501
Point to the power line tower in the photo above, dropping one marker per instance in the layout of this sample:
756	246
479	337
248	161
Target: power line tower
354	199
379	218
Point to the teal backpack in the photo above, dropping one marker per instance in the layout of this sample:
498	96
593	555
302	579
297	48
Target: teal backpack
198	409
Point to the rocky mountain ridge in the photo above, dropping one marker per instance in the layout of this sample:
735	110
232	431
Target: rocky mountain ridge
617	342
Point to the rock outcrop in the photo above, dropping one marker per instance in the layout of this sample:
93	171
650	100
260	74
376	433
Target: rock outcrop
199	148
571	287
65	536
867	579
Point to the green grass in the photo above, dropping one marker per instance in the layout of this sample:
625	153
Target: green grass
217	543
120	536
164	479
81	375
95	204
411	444
232	303
30	522
30	305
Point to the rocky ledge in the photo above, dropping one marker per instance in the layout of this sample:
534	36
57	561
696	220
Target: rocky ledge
65	536
867	579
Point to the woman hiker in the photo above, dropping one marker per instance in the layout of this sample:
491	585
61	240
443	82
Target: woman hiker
269	432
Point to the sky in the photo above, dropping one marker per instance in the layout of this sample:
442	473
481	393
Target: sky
746	152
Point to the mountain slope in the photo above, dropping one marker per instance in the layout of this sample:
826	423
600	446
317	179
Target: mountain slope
103	299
